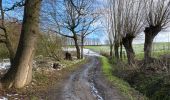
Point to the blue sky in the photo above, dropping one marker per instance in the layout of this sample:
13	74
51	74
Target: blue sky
18	11
100	34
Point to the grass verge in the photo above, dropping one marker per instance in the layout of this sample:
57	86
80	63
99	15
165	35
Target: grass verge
123	86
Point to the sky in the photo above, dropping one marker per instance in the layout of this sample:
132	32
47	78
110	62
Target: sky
18	11
163	36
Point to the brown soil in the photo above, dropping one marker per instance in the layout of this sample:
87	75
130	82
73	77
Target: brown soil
83	82
42	82
87	83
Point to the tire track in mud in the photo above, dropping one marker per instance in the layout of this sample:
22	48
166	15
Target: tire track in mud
89	84
79	87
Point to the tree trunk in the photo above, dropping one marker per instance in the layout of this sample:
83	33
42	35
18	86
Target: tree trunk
77	47
127	43
148	47
116	49
150	33
111	50
121	51
20	73
10	50
82	46
6	35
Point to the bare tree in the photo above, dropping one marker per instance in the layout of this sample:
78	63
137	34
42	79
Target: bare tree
116	14
133	23
20	73
125	21
87	28
108	25
69	21
5	29
158	18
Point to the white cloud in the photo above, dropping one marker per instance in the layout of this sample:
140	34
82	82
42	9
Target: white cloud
163	36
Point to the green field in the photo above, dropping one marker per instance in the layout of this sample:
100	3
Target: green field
157	49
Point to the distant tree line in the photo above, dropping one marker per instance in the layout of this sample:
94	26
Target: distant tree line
87	42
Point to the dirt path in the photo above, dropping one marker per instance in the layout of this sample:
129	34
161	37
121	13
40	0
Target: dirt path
87	83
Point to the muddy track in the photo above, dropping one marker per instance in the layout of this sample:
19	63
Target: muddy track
87	83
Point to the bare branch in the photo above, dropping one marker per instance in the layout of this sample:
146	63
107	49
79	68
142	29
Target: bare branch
17	4
62	34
